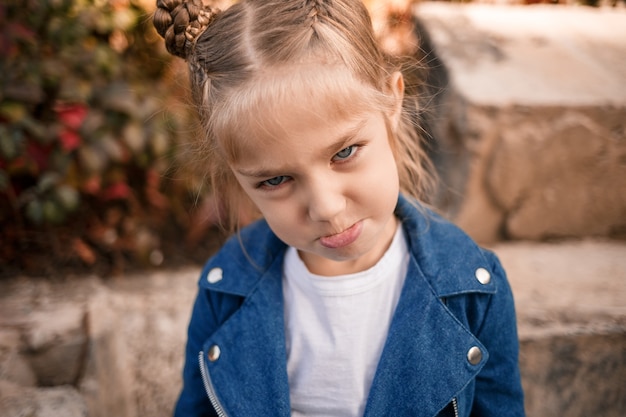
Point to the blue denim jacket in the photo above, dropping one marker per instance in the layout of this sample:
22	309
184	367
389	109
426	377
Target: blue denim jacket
451	350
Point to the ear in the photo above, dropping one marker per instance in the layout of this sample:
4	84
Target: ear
396	86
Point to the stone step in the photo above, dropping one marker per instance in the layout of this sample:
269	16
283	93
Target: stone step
571	307
528	118
542	55
569	297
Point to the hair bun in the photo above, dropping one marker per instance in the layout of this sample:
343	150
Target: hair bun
180	22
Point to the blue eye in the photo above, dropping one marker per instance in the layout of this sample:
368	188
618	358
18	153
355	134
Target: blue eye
274	182
345	153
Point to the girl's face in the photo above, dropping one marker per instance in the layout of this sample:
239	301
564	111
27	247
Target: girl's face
326	186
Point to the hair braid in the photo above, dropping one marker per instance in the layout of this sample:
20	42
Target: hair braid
317	9
180	23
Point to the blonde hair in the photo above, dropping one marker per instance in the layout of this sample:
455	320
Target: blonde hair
258	51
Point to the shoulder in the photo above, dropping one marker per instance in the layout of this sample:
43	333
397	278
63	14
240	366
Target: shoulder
245	256
451	261
470	278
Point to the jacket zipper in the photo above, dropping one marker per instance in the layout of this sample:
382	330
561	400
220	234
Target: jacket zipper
455	406
208	387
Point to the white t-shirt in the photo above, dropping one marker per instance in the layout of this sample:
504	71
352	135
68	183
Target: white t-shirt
336	328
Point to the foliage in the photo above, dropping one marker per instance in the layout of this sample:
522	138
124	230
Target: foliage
85	146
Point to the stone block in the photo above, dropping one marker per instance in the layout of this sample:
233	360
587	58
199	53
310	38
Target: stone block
64	334
572	325
107	382
560	173
13	366
49	337
530	118
56	343
40	402
580	375
155	311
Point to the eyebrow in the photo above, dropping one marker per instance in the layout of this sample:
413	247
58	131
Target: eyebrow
339	144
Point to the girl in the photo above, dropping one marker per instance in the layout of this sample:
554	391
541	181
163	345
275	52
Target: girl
349	297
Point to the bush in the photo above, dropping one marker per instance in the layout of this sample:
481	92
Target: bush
86	149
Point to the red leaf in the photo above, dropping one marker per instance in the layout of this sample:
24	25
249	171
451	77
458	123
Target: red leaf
39	154
18	31
92	185
117	191
69	139
71	115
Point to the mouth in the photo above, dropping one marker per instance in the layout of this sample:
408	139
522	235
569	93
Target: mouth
342	239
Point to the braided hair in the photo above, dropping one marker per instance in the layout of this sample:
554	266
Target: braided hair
180	23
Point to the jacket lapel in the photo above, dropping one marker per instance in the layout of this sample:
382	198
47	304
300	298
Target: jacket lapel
423	363
250	376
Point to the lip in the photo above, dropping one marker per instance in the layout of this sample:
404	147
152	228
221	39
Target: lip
342	239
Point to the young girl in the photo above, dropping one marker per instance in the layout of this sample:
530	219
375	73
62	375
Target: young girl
349	297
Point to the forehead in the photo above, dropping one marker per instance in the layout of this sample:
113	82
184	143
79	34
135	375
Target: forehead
281	101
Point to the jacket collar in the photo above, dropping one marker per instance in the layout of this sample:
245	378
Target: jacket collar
445	255
246	257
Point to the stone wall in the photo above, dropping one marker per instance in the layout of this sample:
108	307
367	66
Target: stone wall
82	346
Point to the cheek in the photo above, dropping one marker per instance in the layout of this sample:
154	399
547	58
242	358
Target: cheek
383	185
280	217
391	166
286	227
381	177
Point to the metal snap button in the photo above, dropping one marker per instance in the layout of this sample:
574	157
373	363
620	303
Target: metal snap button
214	353
483	276
474	355
215	275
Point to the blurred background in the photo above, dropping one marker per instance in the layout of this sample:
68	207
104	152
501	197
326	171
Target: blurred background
92	127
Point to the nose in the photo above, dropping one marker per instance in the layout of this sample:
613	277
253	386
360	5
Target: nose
325	199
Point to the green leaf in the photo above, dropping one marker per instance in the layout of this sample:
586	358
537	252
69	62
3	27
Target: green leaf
11	140
34	211
48	181
36	129
53	212
12	111
68	197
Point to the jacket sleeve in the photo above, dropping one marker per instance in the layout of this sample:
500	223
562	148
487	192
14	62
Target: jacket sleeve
498	385
193	400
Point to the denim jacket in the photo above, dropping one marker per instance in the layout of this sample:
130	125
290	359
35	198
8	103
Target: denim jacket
451	349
